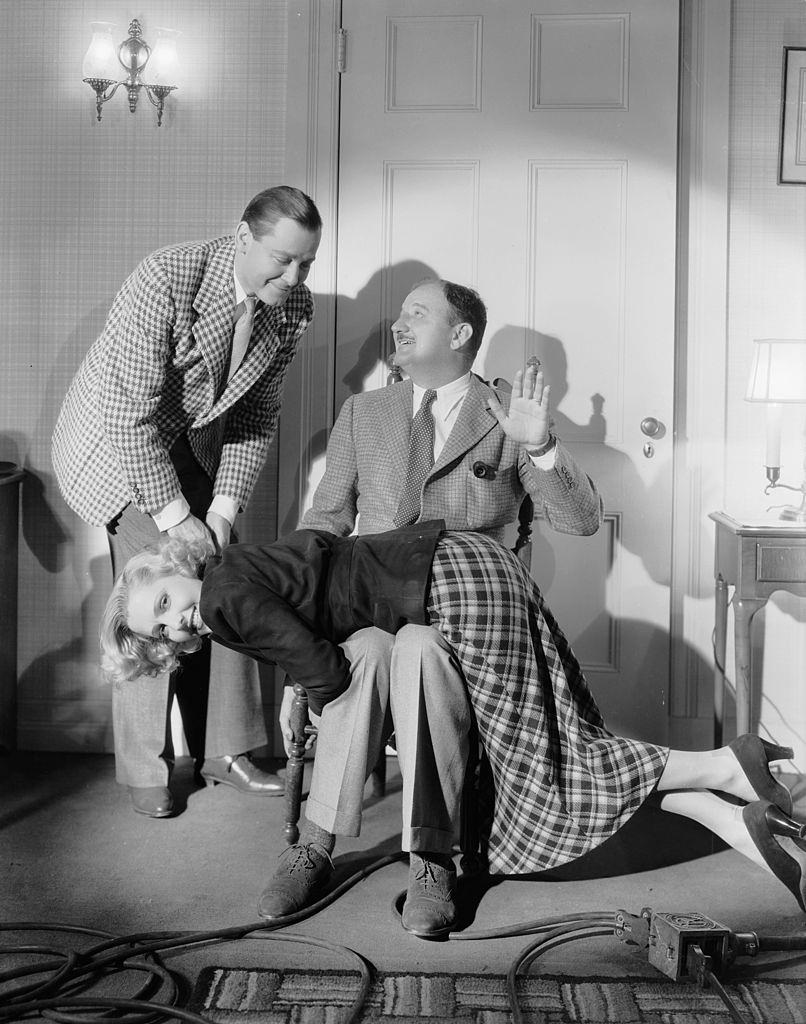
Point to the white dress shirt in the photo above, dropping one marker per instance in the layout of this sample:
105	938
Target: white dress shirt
445	409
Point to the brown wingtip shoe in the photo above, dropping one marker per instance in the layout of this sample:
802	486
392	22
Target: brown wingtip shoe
303	870
430	908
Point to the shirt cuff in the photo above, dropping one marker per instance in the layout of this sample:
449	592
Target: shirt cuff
225	507
546	461
172	515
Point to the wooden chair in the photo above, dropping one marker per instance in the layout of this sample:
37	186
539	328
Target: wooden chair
302	729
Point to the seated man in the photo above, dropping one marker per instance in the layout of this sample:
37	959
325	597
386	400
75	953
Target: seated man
440	445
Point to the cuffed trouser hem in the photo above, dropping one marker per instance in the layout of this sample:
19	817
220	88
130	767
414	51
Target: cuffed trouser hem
427	840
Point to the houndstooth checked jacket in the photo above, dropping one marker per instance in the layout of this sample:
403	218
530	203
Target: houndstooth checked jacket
158	371
477	483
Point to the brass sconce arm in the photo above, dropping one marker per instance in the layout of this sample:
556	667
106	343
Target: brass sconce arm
101	85
133	55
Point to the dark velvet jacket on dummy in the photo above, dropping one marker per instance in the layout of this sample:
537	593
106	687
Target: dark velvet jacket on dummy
292	602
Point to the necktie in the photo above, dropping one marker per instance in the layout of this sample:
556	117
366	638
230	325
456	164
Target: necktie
242	332
421	461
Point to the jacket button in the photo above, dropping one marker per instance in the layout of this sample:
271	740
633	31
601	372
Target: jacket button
482	470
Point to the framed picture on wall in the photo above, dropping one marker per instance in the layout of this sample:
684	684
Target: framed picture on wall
792	158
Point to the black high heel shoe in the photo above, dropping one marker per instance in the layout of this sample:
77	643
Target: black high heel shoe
764	821
754	755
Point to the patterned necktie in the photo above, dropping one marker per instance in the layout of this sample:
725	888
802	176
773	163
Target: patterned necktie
242	332
421	461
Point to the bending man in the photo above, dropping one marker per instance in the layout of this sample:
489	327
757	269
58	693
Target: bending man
164	429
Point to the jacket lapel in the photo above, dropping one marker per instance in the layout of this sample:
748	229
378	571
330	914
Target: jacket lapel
262	347
473	422
395	425
212	330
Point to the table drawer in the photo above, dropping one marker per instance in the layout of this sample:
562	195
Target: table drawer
779	563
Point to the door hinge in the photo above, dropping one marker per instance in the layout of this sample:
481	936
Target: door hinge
341	51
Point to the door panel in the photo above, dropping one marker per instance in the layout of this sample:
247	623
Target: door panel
532	155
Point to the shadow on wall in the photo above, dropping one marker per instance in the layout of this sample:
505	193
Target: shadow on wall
69	675
40	526
60	675
362	354
604	462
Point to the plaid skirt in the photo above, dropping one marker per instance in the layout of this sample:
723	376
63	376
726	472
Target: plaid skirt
562	783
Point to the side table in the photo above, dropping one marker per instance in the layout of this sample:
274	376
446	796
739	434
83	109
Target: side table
757	560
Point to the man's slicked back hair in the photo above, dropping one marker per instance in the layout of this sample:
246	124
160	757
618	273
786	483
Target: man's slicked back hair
274	204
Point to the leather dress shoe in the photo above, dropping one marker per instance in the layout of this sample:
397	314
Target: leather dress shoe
430	908
754	755
155	801
241	772
303	869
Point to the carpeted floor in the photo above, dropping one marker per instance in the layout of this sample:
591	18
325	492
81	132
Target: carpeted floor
315	997
72	851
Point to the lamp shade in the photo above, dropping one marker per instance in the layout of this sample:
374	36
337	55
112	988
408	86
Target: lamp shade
778	373
163	67
101	59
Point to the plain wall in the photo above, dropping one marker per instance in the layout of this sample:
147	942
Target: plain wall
81	203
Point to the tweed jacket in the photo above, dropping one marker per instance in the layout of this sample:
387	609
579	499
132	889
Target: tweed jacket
292	602
477	483
158	371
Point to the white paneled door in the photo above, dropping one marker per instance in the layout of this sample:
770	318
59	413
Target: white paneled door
529	150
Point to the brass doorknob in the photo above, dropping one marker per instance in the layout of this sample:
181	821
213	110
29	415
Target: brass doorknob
650	426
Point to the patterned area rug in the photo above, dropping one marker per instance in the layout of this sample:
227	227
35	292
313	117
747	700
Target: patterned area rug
232	996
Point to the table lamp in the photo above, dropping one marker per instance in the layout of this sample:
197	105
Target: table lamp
778	377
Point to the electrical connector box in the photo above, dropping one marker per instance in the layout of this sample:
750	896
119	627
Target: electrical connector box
671	936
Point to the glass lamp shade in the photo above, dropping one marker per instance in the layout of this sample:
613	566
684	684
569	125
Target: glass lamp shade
778	373
101	59
163	67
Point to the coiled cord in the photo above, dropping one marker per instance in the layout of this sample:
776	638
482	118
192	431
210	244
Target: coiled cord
71	975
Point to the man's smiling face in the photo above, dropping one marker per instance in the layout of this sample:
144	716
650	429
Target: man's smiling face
272	265
426	337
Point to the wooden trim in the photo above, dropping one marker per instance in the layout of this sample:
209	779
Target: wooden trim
312	164
701	349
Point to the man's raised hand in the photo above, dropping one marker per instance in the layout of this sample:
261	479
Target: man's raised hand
529	418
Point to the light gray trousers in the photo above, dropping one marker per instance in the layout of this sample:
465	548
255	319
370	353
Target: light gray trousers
409	683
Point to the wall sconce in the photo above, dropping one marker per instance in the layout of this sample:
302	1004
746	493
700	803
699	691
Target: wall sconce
778	377
103	60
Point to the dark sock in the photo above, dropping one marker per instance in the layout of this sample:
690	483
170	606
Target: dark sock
444	860
314	834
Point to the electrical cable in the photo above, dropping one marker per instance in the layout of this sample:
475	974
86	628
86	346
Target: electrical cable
554	938
18	1003
527	927
73	971
716	984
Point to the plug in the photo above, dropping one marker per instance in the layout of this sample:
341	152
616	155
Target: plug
672	937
